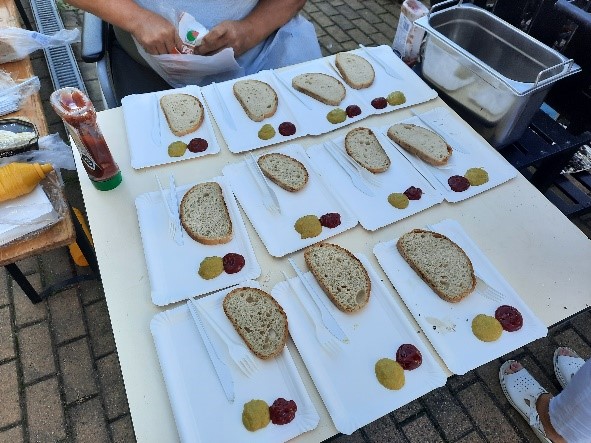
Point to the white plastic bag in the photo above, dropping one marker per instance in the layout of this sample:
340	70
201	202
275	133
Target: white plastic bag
17	43
52	149
180	70
12	94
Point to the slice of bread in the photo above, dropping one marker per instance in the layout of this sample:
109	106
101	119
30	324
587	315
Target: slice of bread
184	113
259	319
322	87
204	214
284	171
441	263
258	99
340	275
355	70
425	144
363	146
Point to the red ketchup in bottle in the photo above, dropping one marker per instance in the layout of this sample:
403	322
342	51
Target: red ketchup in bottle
79	116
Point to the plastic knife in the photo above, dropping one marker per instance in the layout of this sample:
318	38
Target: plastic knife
174	206
327	318
222	371
356	179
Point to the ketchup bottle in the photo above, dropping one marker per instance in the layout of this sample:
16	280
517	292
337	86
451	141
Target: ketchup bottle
79	116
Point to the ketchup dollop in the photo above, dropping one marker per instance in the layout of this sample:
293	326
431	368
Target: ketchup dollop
352	111
409	357
330	220
509	318
413	193
287	128
379	102
282	411
457	183
197	145
233	262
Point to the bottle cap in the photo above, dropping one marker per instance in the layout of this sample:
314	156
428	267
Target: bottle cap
110	183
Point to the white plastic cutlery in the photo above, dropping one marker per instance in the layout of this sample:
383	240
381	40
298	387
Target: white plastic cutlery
174	206
270	200
444	134
389	70
227	116
355	177
221	370
173	220
291	90
367	175
327	318
323	335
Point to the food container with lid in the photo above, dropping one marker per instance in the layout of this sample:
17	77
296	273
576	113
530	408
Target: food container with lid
491	73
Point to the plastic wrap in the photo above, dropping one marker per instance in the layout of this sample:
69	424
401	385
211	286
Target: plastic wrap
13	94
17	43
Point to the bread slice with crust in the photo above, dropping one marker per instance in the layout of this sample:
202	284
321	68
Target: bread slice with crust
284	171
258	319
340	274
425	144
364	147
440	262
184	113
258	99
204	214
355	70
322	87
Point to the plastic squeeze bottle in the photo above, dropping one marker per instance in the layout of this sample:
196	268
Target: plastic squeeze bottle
18	179
79	116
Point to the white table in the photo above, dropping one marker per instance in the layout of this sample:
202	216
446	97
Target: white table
538	250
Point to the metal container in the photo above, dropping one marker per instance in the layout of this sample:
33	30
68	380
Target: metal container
494	75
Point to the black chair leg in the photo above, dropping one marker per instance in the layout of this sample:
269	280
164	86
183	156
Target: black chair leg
22	281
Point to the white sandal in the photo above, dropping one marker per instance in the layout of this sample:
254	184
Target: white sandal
566	366
522	391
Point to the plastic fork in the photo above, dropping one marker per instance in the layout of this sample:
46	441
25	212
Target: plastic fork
238	353
270	200
445	135
156	135
328	342
173	222
482	287
368	176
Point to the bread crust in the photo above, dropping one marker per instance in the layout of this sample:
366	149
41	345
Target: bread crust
236	292
245	107
321	99
420	154
319	277
190	129
276	180
195	236
343	71
426	279
350	152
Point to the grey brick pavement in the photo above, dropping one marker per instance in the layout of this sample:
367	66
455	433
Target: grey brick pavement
60	378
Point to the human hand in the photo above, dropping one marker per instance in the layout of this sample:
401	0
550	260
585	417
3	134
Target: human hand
228	34
155	34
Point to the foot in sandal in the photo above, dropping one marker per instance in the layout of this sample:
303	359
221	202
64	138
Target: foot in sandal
529	398
566	363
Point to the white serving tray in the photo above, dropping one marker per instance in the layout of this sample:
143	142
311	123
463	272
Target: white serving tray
245	135
277	230
376	331
375	212
476	154
314	120
172	268
414	88
448	326
142	112
200	408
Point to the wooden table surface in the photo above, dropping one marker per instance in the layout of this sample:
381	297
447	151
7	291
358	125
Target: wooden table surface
62	233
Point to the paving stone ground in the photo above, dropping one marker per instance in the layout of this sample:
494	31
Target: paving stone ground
60	379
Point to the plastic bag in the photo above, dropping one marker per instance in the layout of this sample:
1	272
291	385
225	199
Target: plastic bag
17	43
179	69
13	94
52	149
